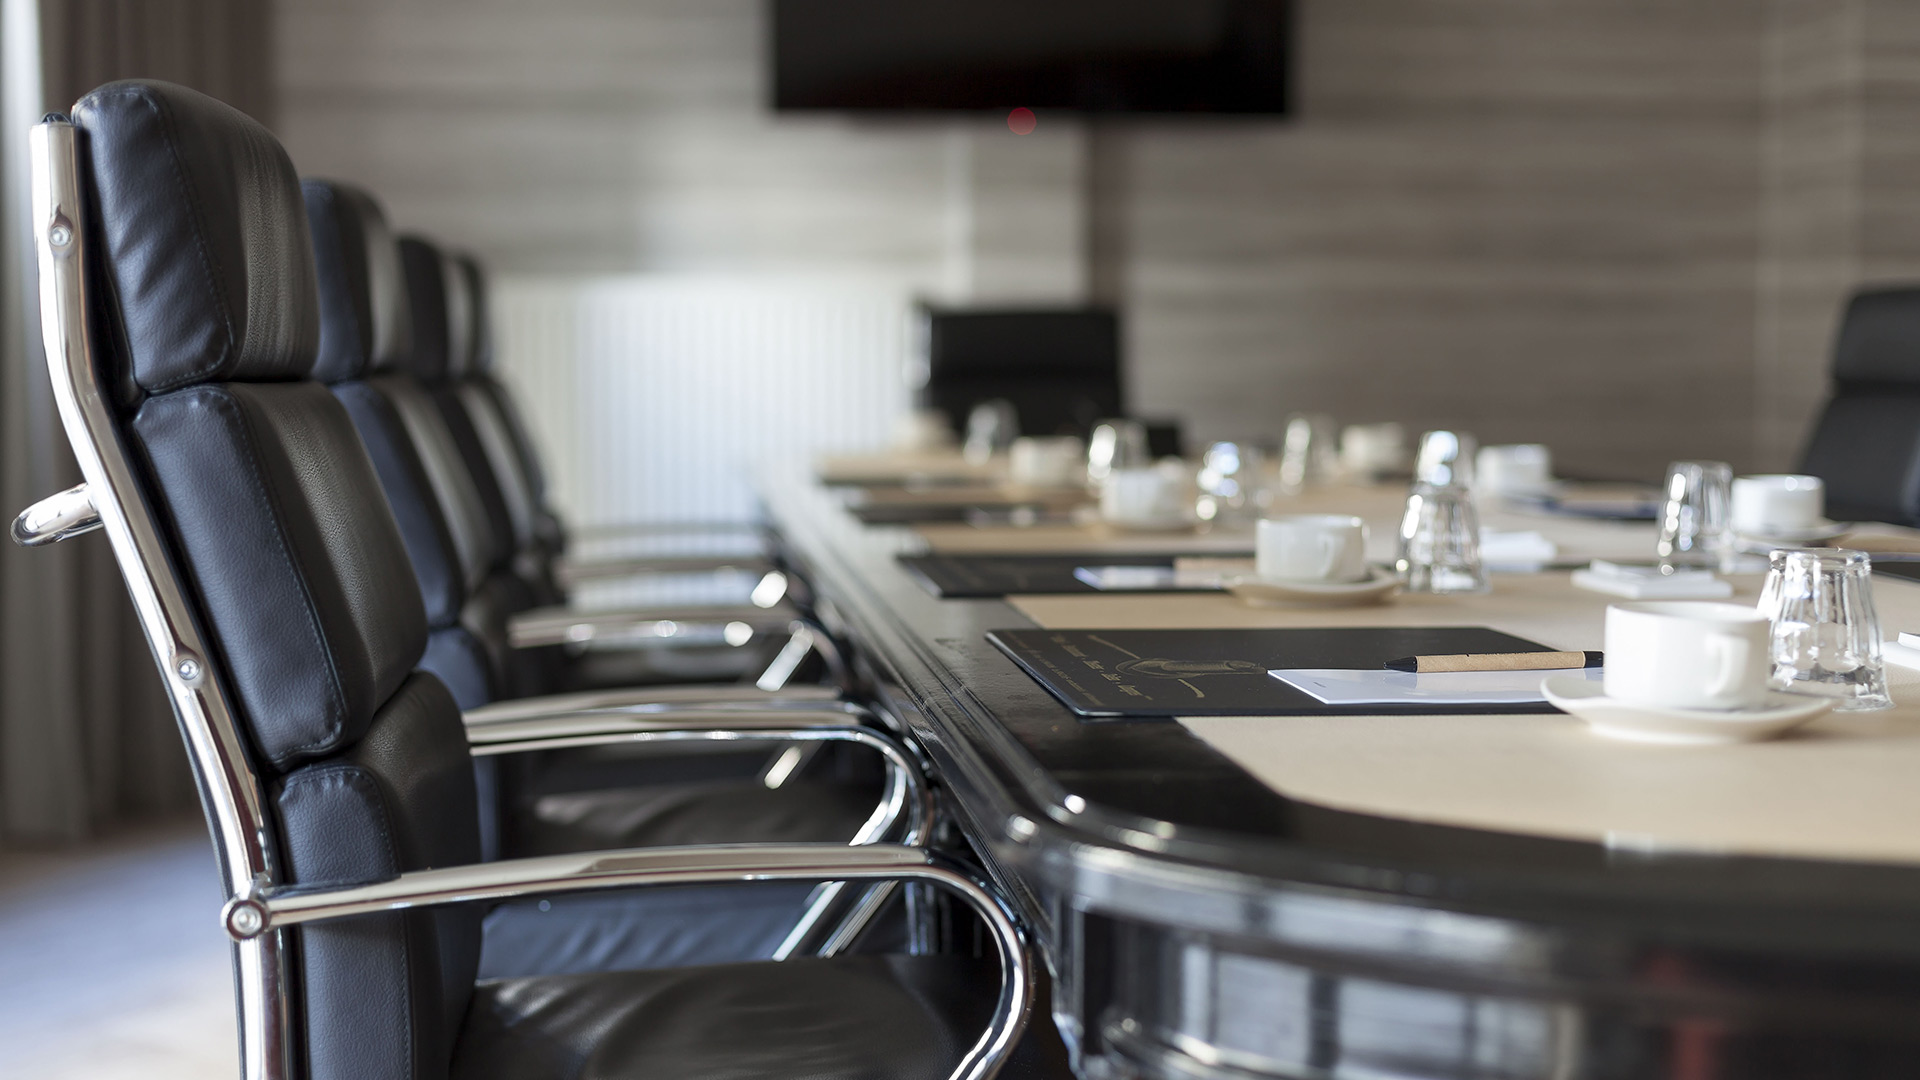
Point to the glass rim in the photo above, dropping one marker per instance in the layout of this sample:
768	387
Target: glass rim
1828	557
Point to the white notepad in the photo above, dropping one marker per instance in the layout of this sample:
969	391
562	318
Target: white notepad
1345	686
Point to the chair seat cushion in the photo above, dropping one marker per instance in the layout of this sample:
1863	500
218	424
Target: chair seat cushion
741	811
847	1018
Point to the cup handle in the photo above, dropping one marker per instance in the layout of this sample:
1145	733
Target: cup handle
1733	654
1329	555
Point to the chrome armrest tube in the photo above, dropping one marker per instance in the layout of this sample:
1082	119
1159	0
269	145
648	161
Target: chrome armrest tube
248	917
646	626
904	795
572	571
665	712
625	722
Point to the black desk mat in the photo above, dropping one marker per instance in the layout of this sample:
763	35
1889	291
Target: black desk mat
911	513
1124	674
974	577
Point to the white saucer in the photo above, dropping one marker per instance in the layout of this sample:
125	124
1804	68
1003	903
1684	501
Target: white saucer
1697	727
1261	592
1817	533
1170	525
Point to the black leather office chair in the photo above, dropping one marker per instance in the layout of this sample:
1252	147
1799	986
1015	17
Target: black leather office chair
442	360
1059	367
181	324
602	797
1866	445
607	551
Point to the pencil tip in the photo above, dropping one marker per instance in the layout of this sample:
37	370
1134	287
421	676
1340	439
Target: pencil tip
1405	663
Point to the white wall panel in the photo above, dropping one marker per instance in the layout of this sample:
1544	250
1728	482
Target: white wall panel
657	398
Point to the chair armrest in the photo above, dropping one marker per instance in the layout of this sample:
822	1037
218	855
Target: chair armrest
618	529
571	571
765	723
273	908
561	626
905	795
658	699
249	916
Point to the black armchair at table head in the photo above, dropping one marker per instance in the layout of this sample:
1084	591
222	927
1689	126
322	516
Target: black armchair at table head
1059	367
1866	445
179	305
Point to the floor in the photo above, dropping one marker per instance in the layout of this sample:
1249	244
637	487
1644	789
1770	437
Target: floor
114	962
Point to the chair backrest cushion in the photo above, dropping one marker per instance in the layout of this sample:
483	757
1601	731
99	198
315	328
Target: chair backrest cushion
1879	339
1059	367
366	322
283	527
1866	448
385	993
204	235
1866	444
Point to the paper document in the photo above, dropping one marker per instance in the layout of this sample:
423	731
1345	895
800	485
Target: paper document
1146	578
1345	686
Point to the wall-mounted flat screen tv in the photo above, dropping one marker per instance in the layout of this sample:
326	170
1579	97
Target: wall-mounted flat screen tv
1119	56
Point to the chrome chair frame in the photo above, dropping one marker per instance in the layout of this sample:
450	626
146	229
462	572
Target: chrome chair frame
259	907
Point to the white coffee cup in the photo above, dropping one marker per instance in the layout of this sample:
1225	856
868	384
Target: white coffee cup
1777	503
1687	655
1311	547
1047	461
1514	469
923	430
1370	450
1155	497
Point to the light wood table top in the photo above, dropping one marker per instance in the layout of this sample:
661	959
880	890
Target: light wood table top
1845	787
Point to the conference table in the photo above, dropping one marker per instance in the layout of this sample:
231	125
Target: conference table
1400	896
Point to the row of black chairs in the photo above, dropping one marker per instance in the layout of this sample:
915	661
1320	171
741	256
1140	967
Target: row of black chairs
451	842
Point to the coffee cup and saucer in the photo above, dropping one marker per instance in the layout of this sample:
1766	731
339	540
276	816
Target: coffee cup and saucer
1154	498
1312	559
1684	673
1780	510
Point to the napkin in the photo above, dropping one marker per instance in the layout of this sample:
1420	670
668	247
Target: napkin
1528	549
1648	583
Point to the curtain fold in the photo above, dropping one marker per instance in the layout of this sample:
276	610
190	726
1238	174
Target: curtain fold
86	736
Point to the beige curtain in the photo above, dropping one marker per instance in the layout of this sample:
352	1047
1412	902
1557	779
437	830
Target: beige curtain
86	737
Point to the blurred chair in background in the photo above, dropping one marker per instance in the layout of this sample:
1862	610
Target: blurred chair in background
1866	446
1058	367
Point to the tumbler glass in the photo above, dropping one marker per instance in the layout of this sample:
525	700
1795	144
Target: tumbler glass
1233	483
1693	521
1116	444
1445	458
1826	636
1309	453
1440	541
991	427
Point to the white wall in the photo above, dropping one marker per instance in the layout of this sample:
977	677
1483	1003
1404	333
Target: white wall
1570	222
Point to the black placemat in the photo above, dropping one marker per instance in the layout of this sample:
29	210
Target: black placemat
973	577
910	513
1120	674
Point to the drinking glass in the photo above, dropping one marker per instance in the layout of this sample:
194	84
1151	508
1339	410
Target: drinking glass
1445	458
1693	522
991	428
1308	452
1440	541
1826	636
1233	482
1116	444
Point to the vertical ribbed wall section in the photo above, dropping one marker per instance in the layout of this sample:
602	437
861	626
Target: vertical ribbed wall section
660	400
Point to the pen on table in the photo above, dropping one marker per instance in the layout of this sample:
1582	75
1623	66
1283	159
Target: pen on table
1498	661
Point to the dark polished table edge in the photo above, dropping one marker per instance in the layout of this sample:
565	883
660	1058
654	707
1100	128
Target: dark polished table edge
1144	824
